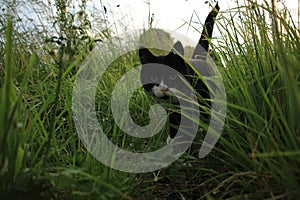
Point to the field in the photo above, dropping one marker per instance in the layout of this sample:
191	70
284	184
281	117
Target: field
256	157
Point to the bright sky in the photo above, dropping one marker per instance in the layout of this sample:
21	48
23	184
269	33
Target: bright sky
171	14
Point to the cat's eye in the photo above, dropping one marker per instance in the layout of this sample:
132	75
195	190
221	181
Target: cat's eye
173	76
153	79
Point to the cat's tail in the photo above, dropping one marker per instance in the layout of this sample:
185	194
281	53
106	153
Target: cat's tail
203	44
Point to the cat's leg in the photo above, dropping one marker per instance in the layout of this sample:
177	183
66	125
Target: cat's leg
181	139
174	121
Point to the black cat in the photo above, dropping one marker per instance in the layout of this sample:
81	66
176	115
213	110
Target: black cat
162	83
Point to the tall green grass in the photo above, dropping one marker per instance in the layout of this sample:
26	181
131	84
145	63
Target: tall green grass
261	138
257	156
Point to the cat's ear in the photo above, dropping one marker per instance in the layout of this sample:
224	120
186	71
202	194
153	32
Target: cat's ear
145	55
178	48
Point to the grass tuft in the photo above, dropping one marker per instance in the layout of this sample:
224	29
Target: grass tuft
257	156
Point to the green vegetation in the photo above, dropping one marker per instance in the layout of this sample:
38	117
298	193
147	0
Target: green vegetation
42	157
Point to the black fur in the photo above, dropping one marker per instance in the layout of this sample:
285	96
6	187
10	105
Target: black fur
153	72
203	44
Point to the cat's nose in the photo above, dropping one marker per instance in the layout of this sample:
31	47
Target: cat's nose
164	89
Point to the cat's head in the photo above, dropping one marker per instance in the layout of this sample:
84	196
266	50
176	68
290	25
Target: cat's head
162	74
